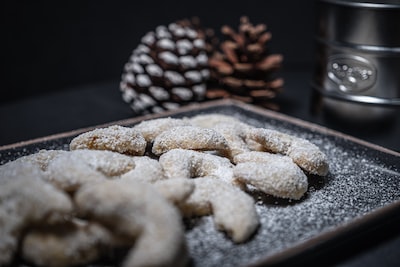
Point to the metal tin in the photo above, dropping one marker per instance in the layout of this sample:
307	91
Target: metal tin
357	69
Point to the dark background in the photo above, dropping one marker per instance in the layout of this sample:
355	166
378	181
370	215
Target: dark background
57	45
61	63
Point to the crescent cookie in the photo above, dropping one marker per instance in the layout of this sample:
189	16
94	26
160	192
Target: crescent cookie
182	163
271	173
124	140
231	128
138	212
233	210
213	119
175	190
151	128
235	136
145	169
71	170
307	155
190	137
42	158
26	199
68	244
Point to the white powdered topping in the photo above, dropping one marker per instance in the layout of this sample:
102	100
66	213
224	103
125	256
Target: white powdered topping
183	93
129	78
199	43
137	68
148	39
154	70
205	74
179	31
127	66
147	100
159	93
143	80
184	46
128	94
166	44
193	76
143	49
137	105
134	58
170	105
168	57
202	59
145	59
199	89
188	62
174	77
191	33
142	102
173	26
162	32
157	109
123	85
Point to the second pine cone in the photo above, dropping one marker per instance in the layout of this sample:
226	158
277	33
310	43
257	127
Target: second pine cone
244	68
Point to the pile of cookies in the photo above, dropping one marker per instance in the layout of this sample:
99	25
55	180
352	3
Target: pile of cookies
130	187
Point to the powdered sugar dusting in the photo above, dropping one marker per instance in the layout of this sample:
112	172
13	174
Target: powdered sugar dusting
357	183
354	187
360	180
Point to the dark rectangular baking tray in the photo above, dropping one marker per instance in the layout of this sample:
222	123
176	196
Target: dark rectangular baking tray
361	190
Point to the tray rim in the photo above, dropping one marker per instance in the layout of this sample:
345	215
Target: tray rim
204	105
318	241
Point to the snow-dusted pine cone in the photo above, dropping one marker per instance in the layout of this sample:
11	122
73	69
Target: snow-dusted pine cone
245	69
167	70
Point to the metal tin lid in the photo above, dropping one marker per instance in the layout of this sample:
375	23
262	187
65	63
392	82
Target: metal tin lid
375	25
367	3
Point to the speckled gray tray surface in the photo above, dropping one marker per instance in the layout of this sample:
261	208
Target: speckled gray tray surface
363	185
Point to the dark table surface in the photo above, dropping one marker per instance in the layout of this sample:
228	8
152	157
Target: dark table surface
100	103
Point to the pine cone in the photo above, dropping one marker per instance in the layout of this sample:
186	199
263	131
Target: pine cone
245	69
207	34
168	69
